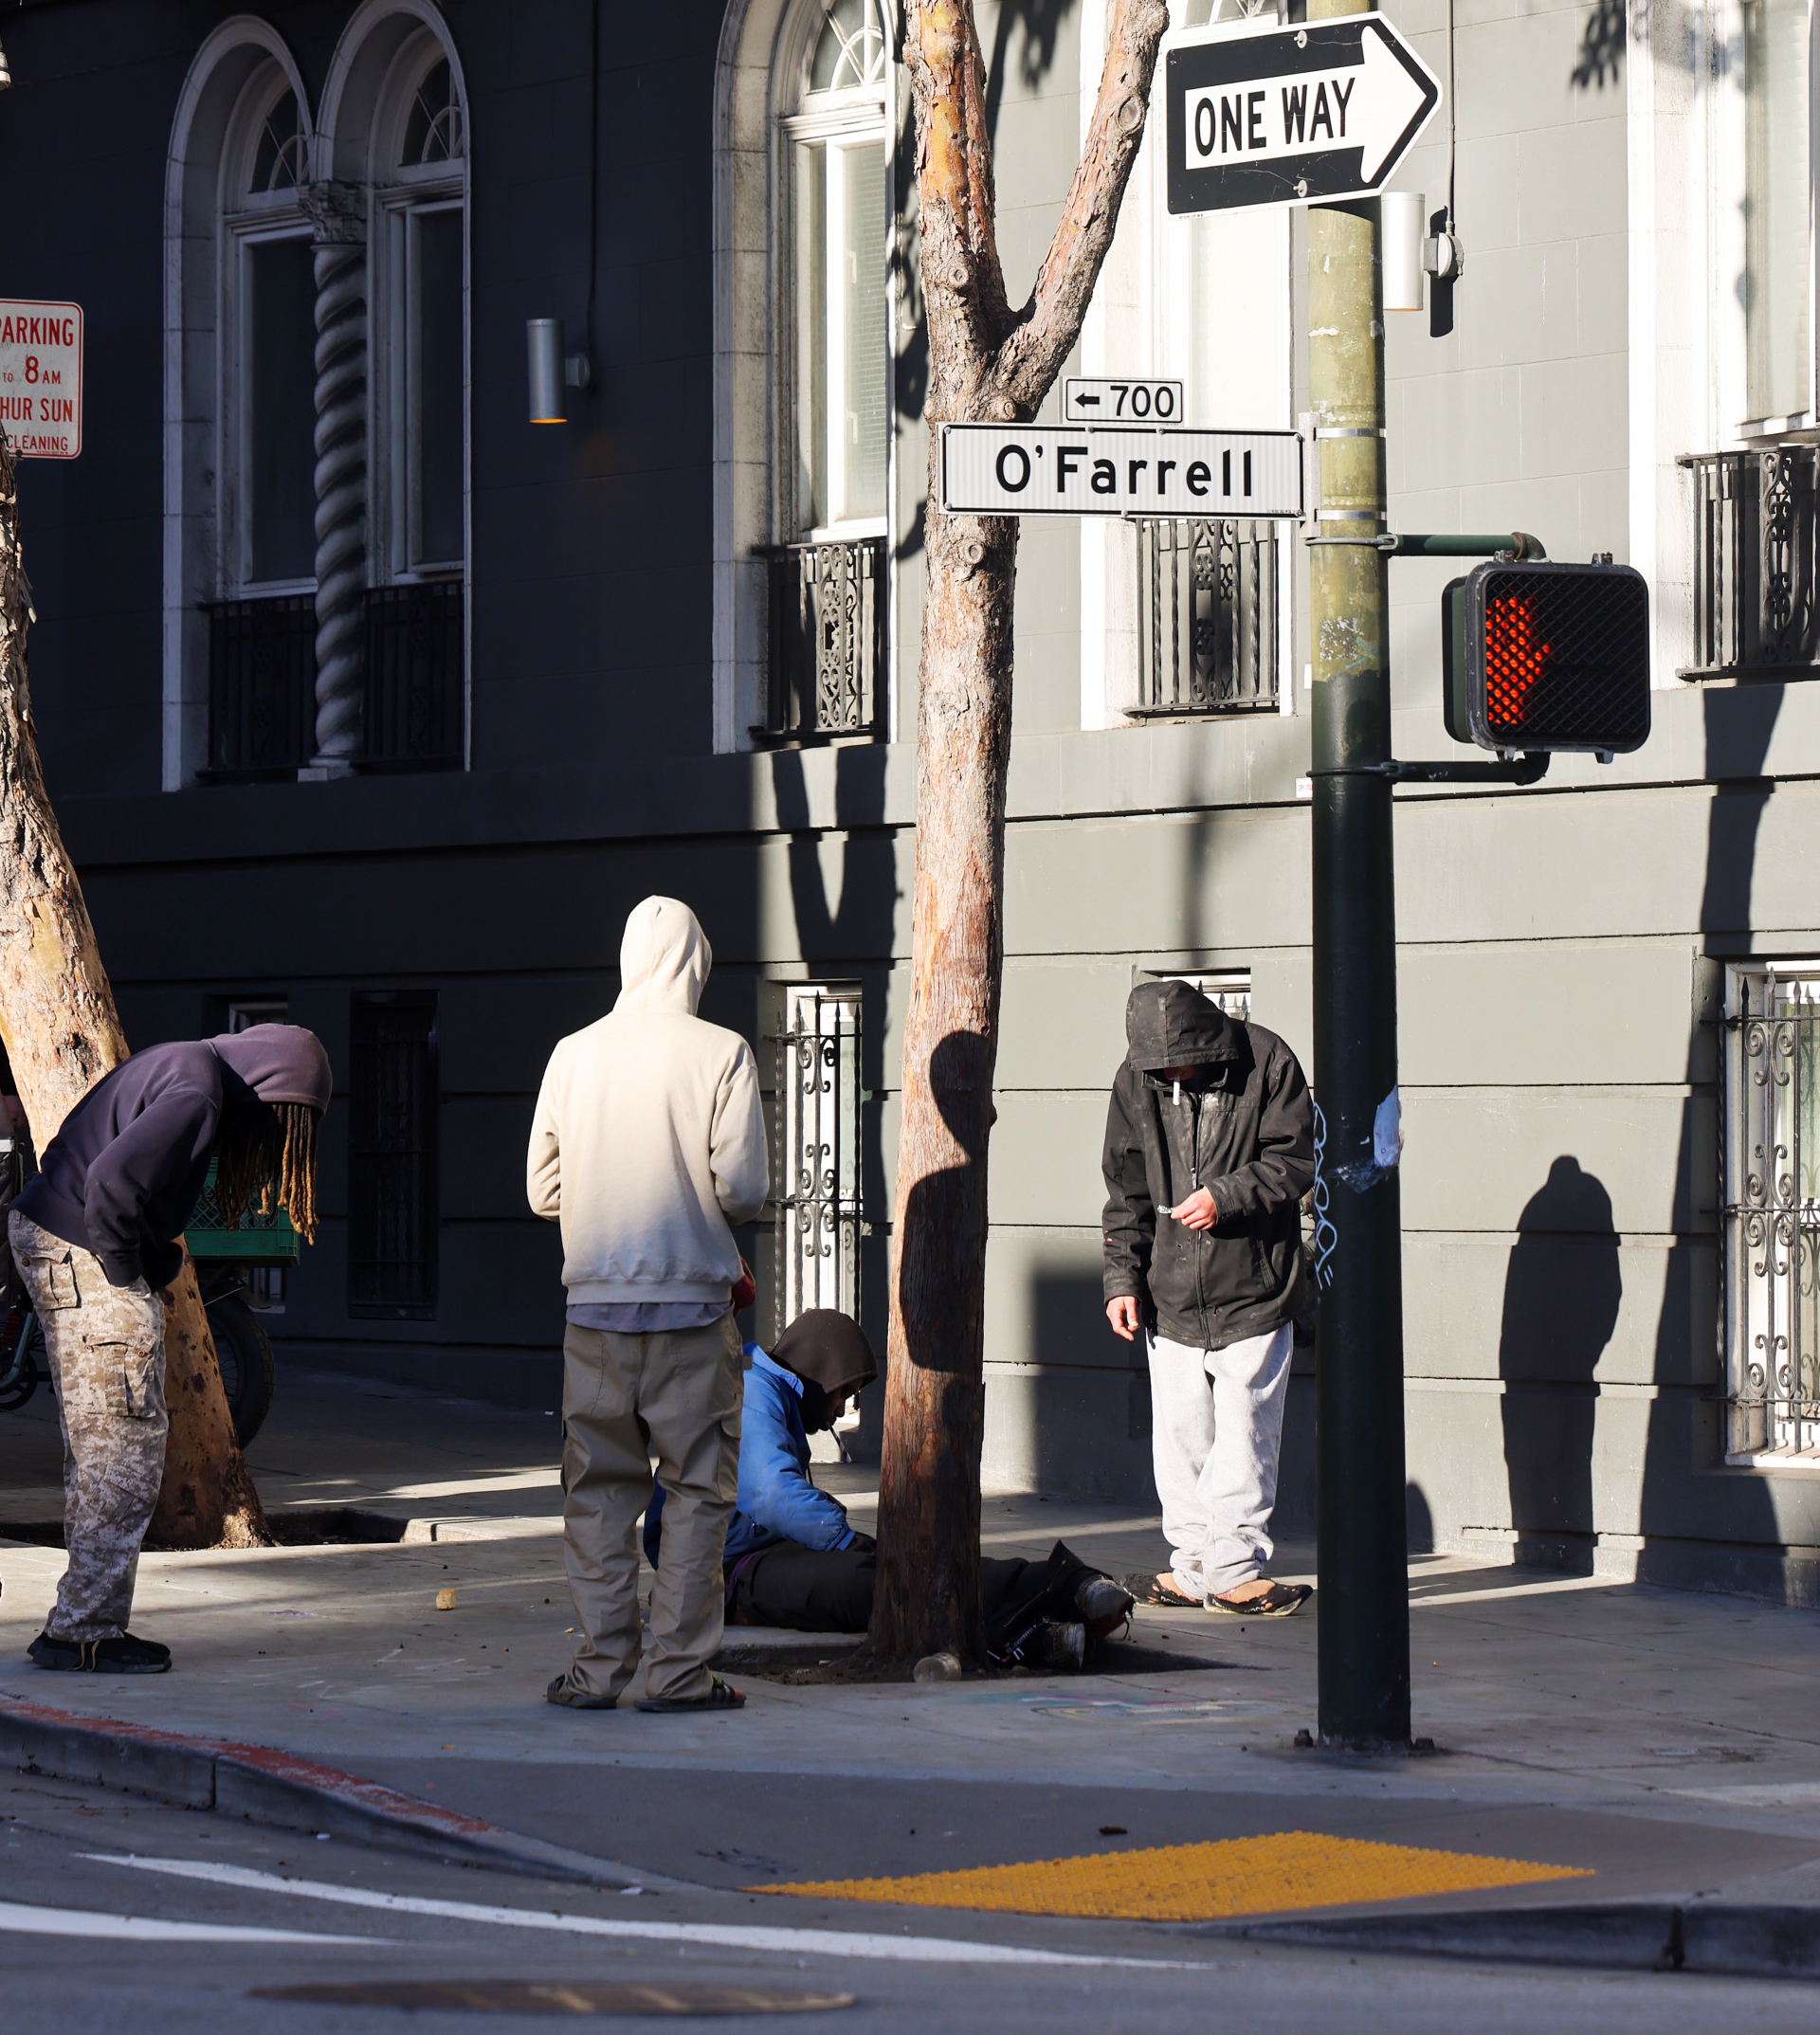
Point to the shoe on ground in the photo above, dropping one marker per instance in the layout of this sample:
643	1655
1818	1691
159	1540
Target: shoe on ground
1103	1604
561	1691
1061	1646
1145	1588
721	1696
122	1655
1281	1600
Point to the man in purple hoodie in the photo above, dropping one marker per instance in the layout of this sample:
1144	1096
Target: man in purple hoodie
96	1239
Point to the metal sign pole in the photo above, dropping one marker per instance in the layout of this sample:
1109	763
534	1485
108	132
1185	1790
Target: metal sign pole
1363	1604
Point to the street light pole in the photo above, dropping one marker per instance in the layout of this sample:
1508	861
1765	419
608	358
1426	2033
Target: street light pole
1363	1599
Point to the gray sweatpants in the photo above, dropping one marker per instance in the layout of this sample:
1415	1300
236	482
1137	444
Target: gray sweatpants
1216	1430
626	1398
106	1350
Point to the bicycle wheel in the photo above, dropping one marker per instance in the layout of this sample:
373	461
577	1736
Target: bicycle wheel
248	1371
21	1342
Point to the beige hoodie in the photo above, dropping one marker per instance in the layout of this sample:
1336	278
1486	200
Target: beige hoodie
649	1139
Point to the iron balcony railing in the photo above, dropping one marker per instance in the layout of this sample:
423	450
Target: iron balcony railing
415	668
827	669
1206	615
262	683
1755	607
262	687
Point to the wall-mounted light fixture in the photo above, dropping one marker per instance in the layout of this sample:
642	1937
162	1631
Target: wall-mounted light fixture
550	372
6	75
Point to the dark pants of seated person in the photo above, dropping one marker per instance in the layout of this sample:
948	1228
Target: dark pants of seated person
806	1590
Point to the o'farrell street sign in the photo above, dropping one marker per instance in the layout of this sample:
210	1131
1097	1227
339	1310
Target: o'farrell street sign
1042	469
1291	115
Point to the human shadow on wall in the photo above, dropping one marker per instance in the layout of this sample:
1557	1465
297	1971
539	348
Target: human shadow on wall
1562	1293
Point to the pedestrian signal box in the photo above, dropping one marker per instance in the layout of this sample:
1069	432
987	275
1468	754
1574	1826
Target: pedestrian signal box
1539	656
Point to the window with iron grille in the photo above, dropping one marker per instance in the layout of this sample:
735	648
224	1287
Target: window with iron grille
394	1101
815	1169
1231	988
1769	1212
1208	596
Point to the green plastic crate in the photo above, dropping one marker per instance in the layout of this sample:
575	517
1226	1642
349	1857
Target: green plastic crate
260	1238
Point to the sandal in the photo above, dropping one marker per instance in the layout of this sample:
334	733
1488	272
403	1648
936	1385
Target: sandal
1281	1600
721	1696
1147	1589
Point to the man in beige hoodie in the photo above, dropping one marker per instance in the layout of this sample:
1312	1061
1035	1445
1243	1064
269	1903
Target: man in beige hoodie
648	1144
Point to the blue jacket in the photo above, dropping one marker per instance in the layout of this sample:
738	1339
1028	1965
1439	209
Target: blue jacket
776	1500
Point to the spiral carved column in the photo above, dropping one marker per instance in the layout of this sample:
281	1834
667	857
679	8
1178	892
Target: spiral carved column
338	213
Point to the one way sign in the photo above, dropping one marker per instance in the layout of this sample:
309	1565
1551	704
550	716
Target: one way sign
1291	115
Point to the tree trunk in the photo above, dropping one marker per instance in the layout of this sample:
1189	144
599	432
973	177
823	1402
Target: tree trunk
62	1034
988	363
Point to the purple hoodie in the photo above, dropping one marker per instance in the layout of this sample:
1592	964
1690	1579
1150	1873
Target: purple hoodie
122	1175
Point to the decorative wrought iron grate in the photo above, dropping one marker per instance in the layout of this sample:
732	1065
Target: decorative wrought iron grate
817	1155
1771	1214
826	673
415	669
262	686
1206	615
1755	606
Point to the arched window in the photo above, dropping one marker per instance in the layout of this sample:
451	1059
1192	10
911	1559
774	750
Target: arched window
267	420
838	221
422	294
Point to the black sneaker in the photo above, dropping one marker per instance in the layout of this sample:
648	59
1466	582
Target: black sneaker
122	1656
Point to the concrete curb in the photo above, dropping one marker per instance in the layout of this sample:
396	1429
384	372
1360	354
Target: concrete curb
1718	1938
266	1785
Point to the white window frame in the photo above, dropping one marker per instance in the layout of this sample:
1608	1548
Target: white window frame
855	117
248	218
1762	1210
1140	322
399	191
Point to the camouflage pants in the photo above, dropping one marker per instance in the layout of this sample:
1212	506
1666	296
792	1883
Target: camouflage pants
106	1350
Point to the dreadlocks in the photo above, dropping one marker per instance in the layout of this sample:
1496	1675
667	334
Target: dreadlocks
262	1145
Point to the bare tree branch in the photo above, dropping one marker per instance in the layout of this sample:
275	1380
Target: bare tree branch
1051	323
963	283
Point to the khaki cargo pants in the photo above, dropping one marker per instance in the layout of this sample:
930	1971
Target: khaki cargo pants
626	1398
106	1350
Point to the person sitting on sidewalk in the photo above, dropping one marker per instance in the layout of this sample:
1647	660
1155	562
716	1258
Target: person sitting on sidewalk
1210	1148
649	1143
96	1239
793	1558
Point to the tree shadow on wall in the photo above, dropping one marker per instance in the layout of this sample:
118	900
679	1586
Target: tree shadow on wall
1562	1292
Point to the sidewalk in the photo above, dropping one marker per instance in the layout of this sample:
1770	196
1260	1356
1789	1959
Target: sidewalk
1667	1746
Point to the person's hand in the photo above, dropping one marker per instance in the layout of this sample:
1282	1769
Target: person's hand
1197	1212
1121	1315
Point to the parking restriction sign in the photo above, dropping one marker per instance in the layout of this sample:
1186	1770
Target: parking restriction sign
41	380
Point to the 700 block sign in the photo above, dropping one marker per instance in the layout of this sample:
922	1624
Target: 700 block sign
41	378
1039	469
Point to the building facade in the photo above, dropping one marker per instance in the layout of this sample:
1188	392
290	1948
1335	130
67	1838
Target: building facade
367	700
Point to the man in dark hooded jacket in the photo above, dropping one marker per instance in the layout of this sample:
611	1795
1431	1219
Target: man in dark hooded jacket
1210	1148
95	1239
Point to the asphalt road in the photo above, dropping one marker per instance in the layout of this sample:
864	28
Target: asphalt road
120	1914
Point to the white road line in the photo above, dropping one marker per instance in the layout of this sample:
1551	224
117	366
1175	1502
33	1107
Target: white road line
795	1942
22	1920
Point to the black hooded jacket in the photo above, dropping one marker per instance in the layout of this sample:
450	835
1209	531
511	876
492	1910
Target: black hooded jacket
122	1177
1244	1130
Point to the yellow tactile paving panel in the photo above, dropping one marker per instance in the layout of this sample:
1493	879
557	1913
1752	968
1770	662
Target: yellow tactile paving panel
1201	1882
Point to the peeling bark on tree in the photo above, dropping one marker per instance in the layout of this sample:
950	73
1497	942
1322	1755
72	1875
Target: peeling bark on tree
62	1034
988	364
